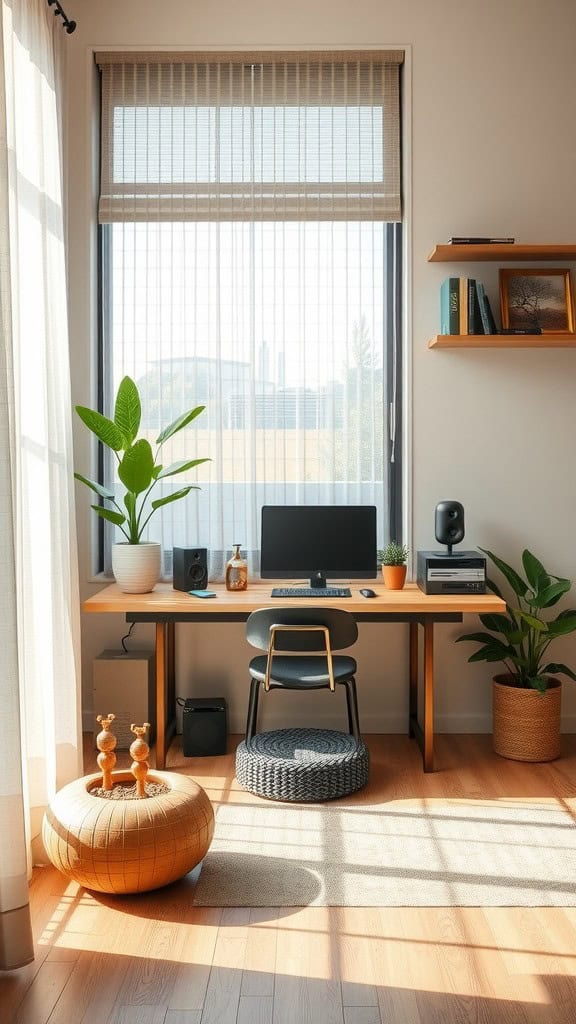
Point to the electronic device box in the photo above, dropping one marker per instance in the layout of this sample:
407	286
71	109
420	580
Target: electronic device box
440	573
125	683
204	726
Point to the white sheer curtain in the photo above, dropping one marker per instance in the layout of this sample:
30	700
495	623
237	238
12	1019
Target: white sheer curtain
39	602
247	203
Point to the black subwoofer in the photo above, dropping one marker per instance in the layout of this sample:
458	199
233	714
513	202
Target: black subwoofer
204	728
189	568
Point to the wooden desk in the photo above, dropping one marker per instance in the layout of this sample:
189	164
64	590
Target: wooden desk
165	607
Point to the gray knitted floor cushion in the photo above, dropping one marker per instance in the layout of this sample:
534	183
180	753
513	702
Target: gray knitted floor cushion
303	765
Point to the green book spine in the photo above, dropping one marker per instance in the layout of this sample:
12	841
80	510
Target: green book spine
449	306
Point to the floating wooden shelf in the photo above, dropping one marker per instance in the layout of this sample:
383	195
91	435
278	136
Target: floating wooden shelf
503	341
483	253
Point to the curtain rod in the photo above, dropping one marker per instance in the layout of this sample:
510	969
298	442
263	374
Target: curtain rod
68	25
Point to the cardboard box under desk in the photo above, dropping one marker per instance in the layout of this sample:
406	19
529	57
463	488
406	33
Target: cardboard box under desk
125	685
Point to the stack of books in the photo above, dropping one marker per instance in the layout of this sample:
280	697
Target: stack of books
465	307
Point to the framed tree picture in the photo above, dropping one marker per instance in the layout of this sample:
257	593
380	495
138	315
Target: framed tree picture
537	299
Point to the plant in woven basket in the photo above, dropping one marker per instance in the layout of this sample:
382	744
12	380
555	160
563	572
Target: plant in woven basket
393	554
521	638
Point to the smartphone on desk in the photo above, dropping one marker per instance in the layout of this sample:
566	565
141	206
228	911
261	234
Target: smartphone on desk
202	593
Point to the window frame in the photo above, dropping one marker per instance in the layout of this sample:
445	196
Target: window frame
394	379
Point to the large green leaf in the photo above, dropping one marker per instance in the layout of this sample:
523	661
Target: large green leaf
494	651
532	621
518	585
127	410
178	424
135	470
180	467
562	625
498	623
550	595
518	636
555	667
175	496
105	430
535	571
107	513
493	587
478	638
104	492
499	652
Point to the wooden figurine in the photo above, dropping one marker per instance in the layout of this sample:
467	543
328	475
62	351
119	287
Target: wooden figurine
106	741
139	750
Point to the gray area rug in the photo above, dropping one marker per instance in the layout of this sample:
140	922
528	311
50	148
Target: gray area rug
416	853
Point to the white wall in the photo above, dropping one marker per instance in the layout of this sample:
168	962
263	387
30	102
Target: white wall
492	150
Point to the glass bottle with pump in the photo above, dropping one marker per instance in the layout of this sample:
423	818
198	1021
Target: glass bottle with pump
237	571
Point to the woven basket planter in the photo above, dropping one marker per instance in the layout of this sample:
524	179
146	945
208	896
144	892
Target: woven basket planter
526	723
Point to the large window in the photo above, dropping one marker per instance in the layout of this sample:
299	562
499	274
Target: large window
251	254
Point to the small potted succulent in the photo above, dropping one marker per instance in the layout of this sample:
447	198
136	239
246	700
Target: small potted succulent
392	558
135	562
527	696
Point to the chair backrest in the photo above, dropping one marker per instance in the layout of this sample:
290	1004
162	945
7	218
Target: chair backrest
341	625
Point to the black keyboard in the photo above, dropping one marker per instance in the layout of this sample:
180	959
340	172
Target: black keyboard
311	592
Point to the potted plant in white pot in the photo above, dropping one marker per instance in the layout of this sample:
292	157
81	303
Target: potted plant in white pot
135	562
527	696
392	558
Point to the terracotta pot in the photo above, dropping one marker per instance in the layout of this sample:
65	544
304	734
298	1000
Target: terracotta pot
526	723
394	576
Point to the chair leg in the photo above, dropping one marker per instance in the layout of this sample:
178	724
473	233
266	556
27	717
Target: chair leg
348	707
252	710
352	705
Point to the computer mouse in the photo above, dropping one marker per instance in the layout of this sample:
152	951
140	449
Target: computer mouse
366	592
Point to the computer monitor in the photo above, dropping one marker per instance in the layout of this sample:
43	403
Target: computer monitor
318	541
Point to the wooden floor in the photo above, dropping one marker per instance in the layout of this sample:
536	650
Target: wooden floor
154	959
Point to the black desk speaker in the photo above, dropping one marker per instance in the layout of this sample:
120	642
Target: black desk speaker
189	568
204	727
449	523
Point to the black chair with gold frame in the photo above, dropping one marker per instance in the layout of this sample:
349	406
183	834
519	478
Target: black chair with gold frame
304	765
300	643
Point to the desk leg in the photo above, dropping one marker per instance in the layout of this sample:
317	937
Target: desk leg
161	645
428	752
424	736
171	677
413	706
